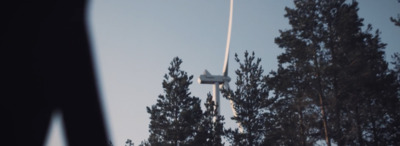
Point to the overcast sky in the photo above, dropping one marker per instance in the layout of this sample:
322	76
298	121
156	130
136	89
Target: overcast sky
135	40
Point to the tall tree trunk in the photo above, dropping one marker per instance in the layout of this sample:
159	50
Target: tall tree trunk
324	122
319	90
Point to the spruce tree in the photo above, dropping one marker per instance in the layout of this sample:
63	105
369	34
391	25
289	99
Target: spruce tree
176	115
251	102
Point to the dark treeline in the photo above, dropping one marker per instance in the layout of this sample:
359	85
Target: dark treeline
332	85
332	81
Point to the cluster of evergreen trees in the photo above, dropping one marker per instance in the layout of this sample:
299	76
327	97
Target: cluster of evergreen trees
332	84
334	78
177	118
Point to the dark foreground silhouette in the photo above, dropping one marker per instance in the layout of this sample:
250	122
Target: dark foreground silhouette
46	65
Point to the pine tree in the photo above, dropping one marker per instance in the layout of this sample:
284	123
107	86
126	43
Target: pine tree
332	67
176	115
295	120
251	102
299	79
358	83
211	129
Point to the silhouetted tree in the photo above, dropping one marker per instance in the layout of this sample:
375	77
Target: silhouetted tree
295	118
251	102
211	129
332	73
176	115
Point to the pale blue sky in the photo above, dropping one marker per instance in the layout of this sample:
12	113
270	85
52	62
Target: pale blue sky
135	40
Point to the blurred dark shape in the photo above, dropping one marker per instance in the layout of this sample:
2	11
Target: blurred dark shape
46	65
